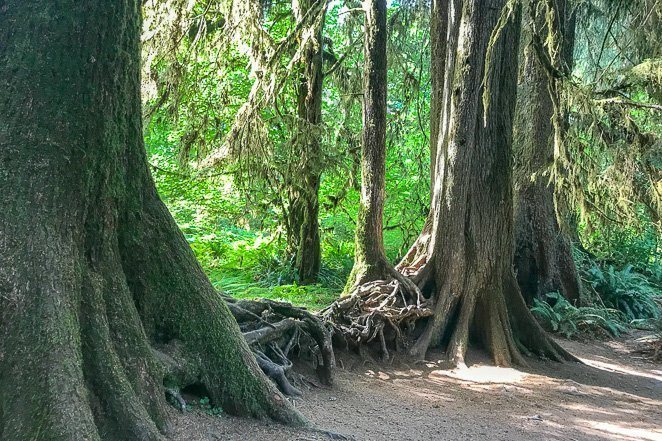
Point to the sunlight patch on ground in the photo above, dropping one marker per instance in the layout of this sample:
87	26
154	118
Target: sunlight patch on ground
612	367
622	432
585	408
431	395
482	374
377	374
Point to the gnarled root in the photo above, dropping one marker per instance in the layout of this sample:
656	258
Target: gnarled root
273	330
379	311
277	373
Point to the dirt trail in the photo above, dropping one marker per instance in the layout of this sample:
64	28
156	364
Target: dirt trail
615	396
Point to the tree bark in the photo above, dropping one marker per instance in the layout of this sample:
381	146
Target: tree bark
438	39
303	189
543	254
472	233
369	256
102	302
466	273
444	28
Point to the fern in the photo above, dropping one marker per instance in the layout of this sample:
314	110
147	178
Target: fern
626	290
557	315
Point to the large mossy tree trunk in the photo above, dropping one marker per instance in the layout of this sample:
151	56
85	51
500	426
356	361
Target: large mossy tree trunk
475	293
304	182
102	302
466	274
370	261
543	254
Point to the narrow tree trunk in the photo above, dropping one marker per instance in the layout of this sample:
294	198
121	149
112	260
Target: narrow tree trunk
370	259
102	302
543	254
303	191
440	62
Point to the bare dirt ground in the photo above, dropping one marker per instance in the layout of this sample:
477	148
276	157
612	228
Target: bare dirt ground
615	395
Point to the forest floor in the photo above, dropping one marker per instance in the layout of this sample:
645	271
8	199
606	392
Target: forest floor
615	395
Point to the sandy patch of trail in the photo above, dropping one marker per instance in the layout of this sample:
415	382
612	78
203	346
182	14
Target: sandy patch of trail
617	395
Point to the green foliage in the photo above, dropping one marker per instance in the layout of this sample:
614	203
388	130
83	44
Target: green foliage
314	297
614	301
613	170
556	314
198	86
242	247
625	290
236	229
205	406
623	245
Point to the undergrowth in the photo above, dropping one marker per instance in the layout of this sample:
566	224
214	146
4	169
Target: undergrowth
625	290
613	301
556	314
248	265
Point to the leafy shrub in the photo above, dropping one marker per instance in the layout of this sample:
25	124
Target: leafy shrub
621	246
625	290
556	314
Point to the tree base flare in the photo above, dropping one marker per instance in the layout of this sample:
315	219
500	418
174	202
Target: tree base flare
386	315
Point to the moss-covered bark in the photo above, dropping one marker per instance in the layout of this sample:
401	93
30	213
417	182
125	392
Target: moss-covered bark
304	181
543	255
304	245
441	61
369	257
470	276
94	274
438	38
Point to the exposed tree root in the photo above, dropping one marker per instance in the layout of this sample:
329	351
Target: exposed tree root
175	398
277	372
275	330
379	311
386	314
413	264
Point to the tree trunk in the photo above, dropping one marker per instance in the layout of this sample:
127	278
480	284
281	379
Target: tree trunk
467	273
369	256
303	235
303	189
438	38
472	237
444	33
102	302
543	254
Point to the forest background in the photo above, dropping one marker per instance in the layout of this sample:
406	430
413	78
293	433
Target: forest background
222	128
